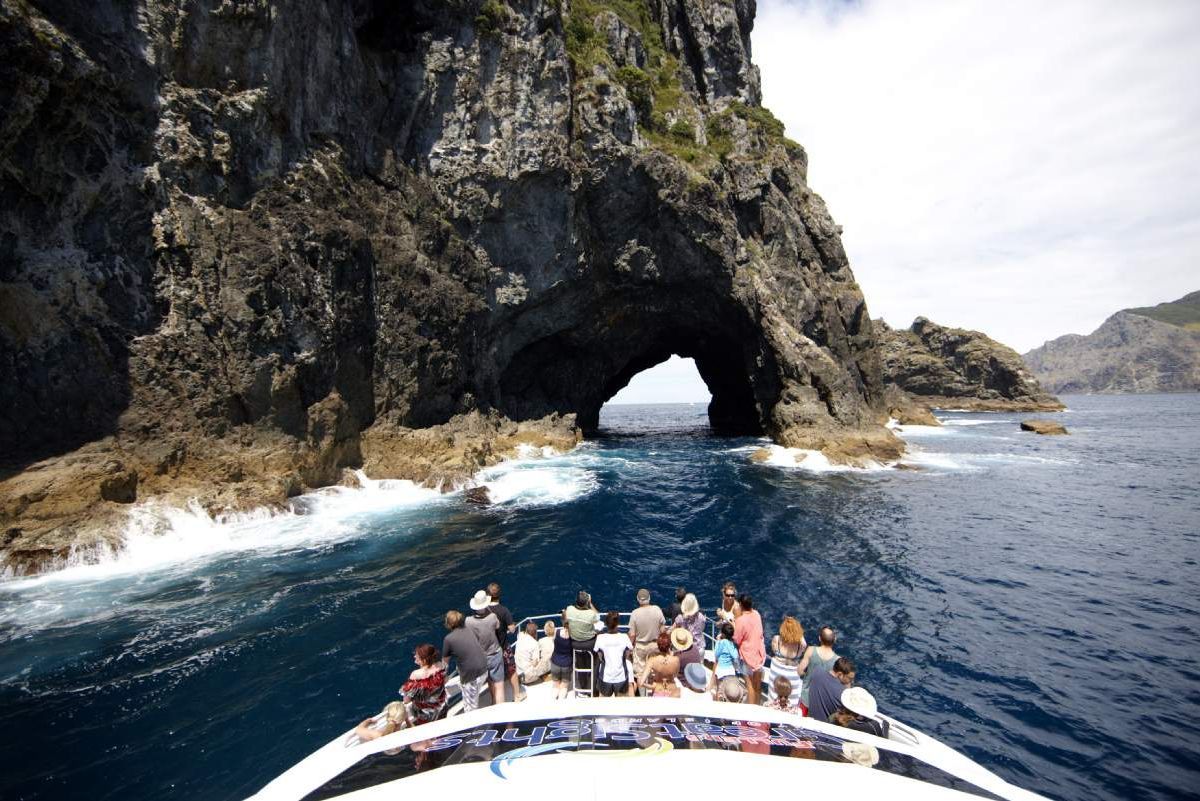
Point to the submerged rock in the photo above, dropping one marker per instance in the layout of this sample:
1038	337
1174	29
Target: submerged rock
478	496
1043	427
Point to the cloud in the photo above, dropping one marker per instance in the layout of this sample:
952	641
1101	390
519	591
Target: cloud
1022	168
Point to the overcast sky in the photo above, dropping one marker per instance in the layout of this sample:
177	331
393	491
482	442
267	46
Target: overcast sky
1021	168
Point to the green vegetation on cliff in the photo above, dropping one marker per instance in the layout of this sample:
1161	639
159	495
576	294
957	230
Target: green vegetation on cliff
1184	312
667	116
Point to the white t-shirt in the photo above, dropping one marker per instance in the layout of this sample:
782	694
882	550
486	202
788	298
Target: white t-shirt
614	647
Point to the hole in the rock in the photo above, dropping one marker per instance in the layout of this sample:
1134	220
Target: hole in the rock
675	382
569	375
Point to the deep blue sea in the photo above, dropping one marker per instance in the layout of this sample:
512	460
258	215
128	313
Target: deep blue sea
1033	601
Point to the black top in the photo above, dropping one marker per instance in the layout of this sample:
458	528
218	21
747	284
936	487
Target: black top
462	645
506	621
673	611
869	726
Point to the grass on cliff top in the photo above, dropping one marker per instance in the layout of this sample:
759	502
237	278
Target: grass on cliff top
1184	312
666	116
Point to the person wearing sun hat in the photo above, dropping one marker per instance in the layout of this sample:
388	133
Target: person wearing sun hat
685	647
486	627
691	618
860	713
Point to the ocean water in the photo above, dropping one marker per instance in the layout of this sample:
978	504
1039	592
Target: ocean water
1033	601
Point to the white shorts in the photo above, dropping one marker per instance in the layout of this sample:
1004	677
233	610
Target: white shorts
470	692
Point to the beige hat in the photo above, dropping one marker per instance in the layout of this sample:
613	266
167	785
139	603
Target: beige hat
643	595
859	701
481	601
681	639
861	754
732	689
689	605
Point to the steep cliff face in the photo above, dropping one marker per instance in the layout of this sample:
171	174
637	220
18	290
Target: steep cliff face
944	367
264	236
1128	353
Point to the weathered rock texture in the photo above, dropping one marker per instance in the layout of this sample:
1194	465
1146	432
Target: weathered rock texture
952	368
1128	353
235	236
1043	427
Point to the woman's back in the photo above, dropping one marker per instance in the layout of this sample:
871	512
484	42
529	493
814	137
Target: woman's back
562	648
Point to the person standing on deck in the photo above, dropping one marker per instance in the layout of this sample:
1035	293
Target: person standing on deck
645	624
675	607
583	624
508	626
748	635
817	659
486	627
727	611
463	646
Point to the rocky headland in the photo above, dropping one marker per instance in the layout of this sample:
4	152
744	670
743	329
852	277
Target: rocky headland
953	368
1152	349
247	245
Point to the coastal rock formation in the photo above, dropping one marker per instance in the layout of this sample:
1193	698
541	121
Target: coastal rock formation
1129	352
953	368
244	245
1043	427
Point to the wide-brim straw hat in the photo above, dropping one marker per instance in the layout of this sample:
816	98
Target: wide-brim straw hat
859	701
690	605
481	601
681	639
733	689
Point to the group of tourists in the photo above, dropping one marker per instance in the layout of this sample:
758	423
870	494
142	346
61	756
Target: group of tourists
661	652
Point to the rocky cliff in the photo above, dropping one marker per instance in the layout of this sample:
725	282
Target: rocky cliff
1128	353
246	244
955	368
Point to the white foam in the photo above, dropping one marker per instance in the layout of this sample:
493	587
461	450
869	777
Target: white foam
812	461
934	461
543	481
921	431
159	536
961	422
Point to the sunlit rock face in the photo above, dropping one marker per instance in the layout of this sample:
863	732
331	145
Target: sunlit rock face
254	222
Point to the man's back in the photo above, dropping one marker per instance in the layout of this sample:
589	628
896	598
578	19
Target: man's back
463	646
824	695
485	629
581	623
506	622
645	622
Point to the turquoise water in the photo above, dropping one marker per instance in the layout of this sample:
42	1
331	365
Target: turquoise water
1033	601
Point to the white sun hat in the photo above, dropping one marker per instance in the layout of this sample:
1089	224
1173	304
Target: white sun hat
859	701
481	601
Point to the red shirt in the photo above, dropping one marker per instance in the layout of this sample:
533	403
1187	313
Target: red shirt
748	634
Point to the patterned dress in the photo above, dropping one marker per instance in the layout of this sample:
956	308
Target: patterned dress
425	696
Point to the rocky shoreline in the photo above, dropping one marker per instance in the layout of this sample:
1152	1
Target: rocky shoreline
76	506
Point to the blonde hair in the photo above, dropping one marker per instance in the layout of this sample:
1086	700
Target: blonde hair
454	619
549	628
396	713
790	630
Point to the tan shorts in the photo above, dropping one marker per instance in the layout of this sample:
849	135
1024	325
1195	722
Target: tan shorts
641	652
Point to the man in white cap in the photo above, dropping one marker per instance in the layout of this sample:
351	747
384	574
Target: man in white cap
645	624
486	627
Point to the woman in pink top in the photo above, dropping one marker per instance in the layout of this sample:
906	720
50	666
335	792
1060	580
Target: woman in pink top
748	634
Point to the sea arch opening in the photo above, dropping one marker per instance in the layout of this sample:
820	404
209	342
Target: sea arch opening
568	373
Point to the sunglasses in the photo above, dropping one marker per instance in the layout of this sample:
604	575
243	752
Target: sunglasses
730	595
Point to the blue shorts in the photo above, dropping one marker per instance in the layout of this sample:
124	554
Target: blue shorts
495	664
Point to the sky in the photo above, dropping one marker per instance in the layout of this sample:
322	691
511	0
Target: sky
1020	168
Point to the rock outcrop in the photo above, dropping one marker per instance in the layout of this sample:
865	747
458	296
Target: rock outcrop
1049	427
953	368
1127	353
244	245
